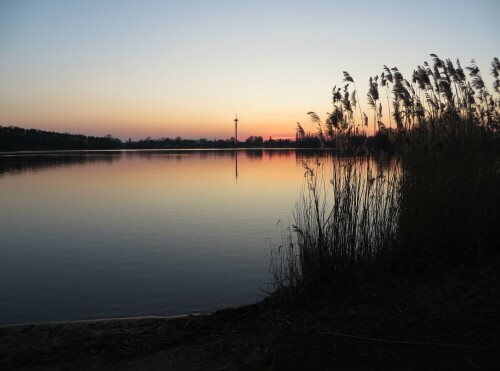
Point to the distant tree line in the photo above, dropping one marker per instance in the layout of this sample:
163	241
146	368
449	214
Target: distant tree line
18	139
202	143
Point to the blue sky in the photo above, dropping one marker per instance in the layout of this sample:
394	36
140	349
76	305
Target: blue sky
168	68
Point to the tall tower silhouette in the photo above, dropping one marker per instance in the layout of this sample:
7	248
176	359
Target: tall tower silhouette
236	130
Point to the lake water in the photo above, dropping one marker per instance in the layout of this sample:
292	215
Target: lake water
87	235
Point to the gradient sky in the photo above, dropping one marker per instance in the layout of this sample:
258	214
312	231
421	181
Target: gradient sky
184	68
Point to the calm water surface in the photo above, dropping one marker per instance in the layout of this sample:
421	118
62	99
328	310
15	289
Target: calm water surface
88	235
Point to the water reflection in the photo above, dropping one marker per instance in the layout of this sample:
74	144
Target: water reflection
16	163
20	163
124	233
236	165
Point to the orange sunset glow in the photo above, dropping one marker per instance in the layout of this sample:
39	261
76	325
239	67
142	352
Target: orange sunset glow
168	69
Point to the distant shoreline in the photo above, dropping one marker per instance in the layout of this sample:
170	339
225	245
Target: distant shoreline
20	139
162	150
105	319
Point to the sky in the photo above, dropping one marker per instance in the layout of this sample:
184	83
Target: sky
135	69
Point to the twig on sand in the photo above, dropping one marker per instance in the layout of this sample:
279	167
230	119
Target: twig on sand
172	356
408	342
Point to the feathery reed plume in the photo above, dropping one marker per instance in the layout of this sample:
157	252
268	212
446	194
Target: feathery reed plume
349	79
385	80
316	120
477	80
300	133
495	72
373	97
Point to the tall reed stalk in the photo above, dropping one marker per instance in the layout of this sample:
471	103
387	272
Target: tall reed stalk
342	227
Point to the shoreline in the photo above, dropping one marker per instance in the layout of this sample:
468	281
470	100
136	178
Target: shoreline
110	319
108	342
445	322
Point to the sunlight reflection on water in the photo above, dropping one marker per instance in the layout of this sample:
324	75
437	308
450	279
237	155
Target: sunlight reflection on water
105	234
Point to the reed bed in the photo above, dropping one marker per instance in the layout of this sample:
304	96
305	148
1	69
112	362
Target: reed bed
449	193
436	203
343	228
